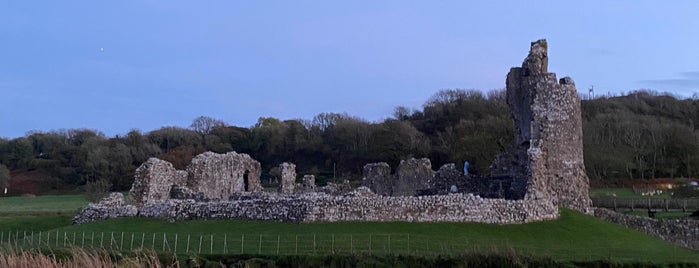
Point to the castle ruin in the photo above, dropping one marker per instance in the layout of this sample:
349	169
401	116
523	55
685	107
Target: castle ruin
542	171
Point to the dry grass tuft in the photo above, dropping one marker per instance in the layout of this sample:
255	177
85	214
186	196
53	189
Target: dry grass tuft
79	258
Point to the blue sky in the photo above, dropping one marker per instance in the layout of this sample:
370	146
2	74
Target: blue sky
121	65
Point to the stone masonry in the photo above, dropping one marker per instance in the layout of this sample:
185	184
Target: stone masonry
288	178
152	182
210	175
219	175
548	149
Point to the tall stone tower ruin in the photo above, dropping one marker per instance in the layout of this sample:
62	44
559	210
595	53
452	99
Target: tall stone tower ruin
548	149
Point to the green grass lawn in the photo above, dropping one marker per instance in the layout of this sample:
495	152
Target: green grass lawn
572	237
41	205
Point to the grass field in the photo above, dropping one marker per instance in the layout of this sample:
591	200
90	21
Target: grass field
41	205
572	237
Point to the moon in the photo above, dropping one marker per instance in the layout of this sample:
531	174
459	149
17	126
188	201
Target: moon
101	49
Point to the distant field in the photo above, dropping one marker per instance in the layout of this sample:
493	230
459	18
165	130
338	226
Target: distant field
41	205
573	237
623	193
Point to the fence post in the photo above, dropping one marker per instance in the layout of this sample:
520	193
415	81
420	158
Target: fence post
187	244
615	208
225	243
296	252
408	243
143	239
152	245
332	244
259	247
164	241
92	239
632	207
314	244
121	242
242	244
57	238
351	245
278	238
211	250
174	251
111	240
82	241
200	238
101	239
24	238
369	244
389	244
131	246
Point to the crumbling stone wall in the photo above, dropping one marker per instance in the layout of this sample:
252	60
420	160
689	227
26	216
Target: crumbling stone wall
682	232
378	178
309	183
209	176
112	206
217	176
152	182
288	178
360	205
412	176
548	150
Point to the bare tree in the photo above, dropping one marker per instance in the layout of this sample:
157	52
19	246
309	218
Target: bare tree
204	124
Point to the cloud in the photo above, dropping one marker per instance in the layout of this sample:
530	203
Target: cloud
685	80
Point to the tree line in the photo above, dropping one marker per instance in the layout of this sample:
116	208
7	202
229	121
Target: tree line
641	135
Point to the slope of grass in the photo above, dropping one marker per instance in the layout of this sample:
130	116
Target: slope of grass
574	236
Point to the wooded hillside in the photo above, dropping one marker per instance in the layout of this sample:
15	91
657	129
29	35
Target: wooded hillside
639	135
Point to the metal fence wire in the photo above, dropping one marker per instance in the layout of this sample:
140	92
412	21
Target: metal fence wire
290	244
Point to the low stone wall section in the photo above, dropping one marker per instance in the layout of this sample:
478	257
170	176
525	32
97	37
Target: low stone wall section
681	232
358	205
112	206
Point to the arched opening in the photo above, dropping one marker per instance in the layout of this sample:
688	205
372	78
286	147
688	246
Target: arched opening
246	182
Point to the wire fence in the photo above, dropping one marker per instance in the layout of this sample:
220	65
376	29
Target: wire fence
666	204
305	244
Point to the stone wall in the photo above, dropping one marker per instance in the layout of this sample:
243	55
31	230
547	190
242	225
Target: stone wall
309	183
413	175
378	178
112	206
548	149
360	205
211	175
288	178
152	182
681	232
219	175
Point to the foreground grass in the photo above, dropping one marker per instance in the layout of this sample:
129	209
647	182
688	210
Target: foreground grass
573	237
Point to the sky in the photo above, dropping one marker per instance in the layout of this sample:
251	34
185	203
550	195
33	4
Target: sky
115	66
